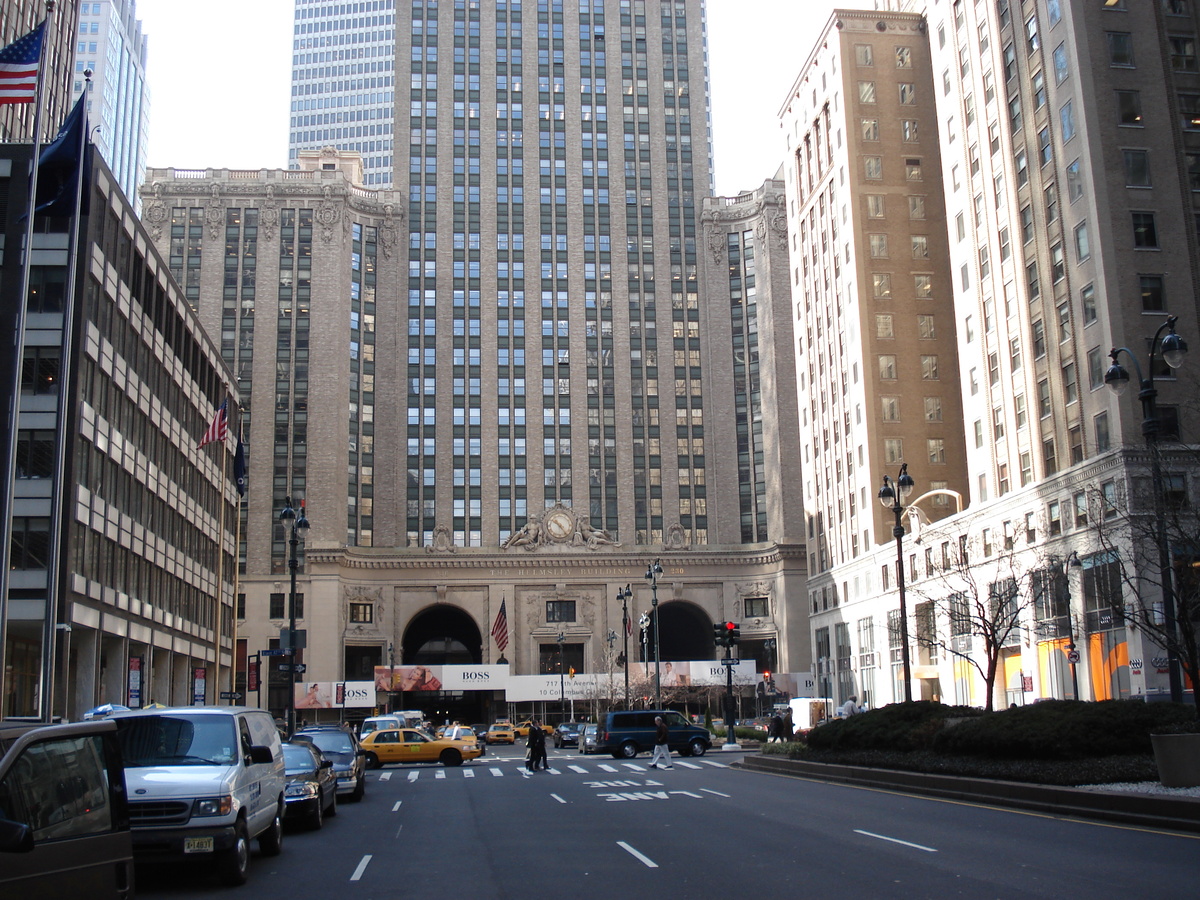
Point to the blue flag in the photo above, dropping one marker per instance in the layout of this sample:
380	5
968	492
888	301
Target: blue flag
58	166
239	466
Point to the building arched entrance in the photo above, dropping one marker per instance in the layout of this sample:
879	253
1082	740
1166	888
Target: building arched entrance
685	632
443	635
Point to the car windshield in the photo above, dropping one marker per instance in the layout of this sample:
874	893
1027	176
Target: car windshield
500	727
298	759
329	741
177	740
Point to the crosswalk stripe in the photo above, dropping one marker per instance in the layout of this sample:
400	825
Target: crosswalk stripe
580	769
440	773
412	776
634	766
716	765
499	773
468	773
687	765
608	768
554	771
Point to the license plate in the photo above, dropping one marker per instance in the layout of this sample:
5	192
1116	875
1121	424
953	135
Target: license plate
198	845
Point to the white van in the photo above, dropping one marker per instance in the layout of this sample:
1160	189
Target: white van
203	781
380	723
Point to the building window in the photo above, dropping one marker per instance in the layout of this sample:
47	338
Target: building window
866	92
908	93
937	451
1152	293
1189	111
1083	248
1066	118
884	328
1081	509
1044	399
869	129
920	246
887	367
864	55
1103	438
756	607
925	327
1087	296
1038	330
1145	233
933	409
1074	181
1193	170
362	613
893	450
1070	389
878	244
1058	263
873	168
1137	168
1129	108
1054	517
1049	456
978	433
908	130
929	367
1183	54
1061	69
881	283
560	611
916	207
1120	49
1026	468
890	408
875	208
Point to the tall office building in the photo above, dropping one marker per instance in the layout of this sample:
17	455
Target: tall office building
17	18
1066	132
344	89
506	386
110	43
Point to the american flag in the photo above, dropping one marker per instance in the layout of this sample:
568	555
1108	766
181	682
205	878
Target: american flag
219	429
500	628
19	63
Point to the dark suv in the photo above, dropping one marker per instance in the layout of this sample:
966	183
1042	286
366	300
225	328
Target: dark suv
342	747
625	734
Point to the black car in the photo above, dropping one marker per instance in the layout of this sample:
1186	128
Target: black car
311	791
349	758
567	734
481	731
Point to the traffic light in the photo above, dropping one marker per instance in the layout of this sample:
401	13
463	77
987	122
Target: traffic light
733	633
719	633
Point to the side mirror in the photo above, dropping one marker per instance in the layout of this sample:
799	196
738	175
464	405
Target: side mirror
260	754
15	837
327	764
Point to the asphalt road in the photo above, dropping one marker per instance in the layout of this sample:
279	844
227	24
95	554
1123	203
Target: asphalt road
598	827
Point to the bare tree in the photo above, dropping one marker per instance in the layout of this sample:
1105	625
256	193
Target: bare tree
1131	533
975	602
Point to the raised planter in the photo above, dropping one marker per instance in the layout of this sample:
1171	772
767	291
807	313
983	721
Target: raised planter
1178	759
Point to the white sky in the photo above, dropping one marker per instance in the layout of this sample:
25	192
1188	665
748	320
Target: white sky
219	81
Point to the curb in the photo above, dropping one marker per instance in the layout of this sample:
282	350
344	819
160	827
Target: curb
1145	810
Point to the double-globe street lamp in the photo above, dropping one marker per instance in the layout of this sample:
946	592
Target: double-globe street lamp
1172	349
652	573
624	596
892	496
298	523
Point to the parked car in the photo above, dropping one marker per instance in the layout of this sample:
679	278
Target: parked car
501	733
588	735
64	819
311	792
408	745
567	734
625	734
522	728
204	782
349	758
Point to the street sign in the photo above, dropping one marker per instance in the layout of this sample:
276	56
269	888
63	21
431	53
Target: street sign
231	695
276	651
299	667
285	667
1072	656
730	662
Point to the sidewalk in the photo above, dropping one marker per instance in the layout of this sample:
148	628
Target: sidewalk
1129	808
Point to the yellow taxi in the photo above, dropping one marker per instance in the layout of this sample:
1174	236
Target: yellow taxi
522	728
501	733
408	745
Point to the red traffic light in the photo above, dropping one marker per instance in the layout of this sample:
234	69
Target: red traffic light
729	626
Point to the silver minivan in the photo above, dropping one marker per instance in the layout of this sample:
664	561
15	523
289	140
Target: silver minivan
203	782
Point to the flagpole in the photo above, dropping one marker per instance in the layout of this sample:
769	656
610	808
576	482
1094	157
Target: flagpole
221	565
18	357
64	424
237	568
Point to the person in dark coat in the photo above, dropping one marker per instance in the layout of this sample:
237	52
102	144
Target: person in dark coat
775	729
537	747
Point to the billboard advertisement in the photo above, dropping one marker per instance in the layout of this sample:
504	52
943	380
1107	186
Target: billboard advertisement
334	694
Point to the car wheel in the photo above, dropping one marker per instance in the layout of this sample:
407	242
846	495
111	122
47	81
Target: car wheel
360	789
270	842
332	810
698	748
628	750
450	758
234	864
316	819
372	761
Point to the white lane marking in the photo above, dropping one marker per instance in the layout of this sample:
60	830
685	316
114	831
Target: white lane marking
362	867
687	765
440	773
686	794
558	798
497	772
468	773
385	776
580	769
647	860
884	837
710	791
634	766
554	771
396	808
709	762
608	768
412	776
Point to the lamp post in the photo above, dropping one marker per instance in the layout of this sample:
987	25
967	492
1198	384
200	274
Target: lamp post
1172	348
298	523
652	573
626	626
1072	562
893	498
562	674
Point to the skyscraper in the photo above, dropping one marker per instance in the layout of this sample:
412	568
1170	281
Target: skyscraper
110	43
507	380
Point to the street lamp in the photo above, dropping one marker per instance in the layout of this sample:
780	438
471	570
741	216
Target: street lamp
626	627
562	674
1072	562
299	530
652	573
1172	349
893	498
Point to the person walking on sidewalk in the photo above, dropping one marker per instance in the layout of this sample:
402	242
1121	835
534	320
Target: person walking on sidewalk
661	735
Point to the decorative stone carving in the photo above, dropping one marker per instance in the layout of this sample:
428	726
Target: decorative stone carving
559	526
443	541
214	213
155	216
327	216
716	246
268	218
528	537
676	538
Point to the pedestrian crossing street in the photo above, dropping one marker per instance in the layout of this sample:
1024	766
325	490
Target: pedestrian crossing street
480	769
